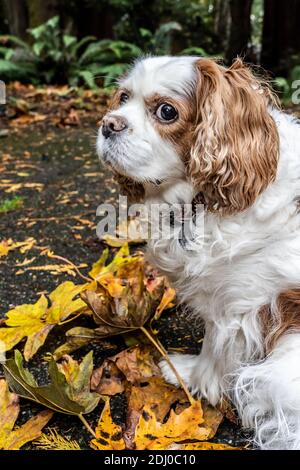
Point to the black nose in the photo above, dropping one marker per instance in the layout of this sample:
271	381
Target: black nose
113	124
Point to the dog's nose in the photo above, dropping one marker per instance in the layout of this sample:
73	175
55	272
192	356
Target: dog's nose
113	124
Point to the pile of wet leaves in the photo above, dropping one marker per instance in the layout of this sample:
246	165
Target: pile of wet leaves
124	297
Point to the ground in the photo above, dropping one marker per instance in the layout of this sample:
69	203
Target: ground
48	158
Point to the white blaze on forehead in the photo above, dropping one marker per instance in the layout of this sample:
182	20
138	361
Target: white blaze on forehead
164	75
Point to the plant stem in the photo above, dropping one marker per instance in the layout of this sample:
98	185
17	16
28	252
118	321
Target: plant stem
86	424
87	279
69	319
164	353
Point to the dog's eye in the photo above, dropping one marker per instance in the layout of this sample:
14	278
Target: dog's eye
124	98
166	112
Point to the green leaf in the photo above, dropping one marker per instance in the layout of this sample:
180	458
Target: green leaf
38	48
197	51
69	40
82	43
12	71
88	78
56	395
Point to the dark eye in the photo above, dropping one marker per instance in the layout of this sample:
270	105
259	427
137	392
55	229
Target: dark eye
166	112
124	98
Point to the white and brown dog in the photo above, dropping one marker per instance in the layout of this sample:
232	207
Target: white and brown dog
198	128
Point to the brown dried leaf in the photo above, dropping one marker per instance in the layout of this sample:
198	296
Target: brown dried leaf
108	379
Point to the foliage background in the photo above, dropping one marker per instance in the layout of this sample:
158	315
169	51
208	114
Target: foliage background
264	32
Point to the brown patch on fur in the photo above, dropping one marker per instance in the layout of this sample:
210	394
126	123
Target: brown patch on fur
179	132
114	102
235	154
128	187
281	319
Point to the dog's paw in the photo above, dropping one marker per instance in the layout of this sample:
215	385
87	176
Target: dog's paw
183	363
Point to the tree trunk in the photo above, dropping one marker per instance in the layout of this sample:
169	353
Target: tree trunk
222	22
240	29
41	11
280	35
17	16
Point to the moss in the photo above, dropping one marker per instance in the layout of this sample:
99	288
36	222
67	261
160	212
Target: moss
8	205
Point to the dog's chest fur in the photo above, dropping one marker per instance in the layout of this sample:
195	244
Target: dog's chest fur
233	265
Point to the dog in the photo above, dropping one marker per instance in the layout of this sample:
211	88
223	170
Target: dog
181	129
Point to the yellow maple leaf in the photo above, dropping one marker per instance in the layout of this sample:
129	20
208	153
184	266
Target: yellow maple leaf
121	261
35	321
151	434
108	434
14	439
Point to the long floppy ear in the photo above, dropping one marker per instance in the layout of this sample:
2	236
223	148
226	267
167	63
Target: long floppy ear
134	191
236	144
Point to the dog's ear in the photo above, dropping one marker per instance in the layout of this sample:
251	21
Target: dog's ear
235	143
134	191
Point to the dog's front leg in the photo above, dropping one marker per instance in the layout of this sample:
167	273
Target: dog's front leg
203	374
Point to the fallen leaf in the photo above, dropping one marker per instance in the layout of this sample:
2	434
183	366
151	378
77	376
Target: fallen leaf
77	337
28	119
154	435
10	187
108	434
131	304
121	261
14	439
78	377
165	303
9	245
60	395
108	379
34	322
4	248
212	418
115	316
135	364
56	269
154	393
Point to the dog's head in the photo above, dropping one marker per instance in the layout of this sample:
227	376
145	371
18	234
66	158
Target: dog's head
192	119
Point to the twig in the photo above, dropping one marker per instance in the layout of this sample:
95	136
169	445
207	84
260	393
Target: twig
69	319
86	424
87	279
164	353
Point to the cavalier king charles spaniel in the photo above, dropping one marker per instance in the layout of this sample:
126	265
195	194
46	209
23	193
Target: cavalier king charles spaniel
185	128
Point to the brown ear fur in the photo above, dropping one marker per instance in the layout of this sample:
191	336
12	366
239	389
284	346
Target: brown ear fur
236	148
